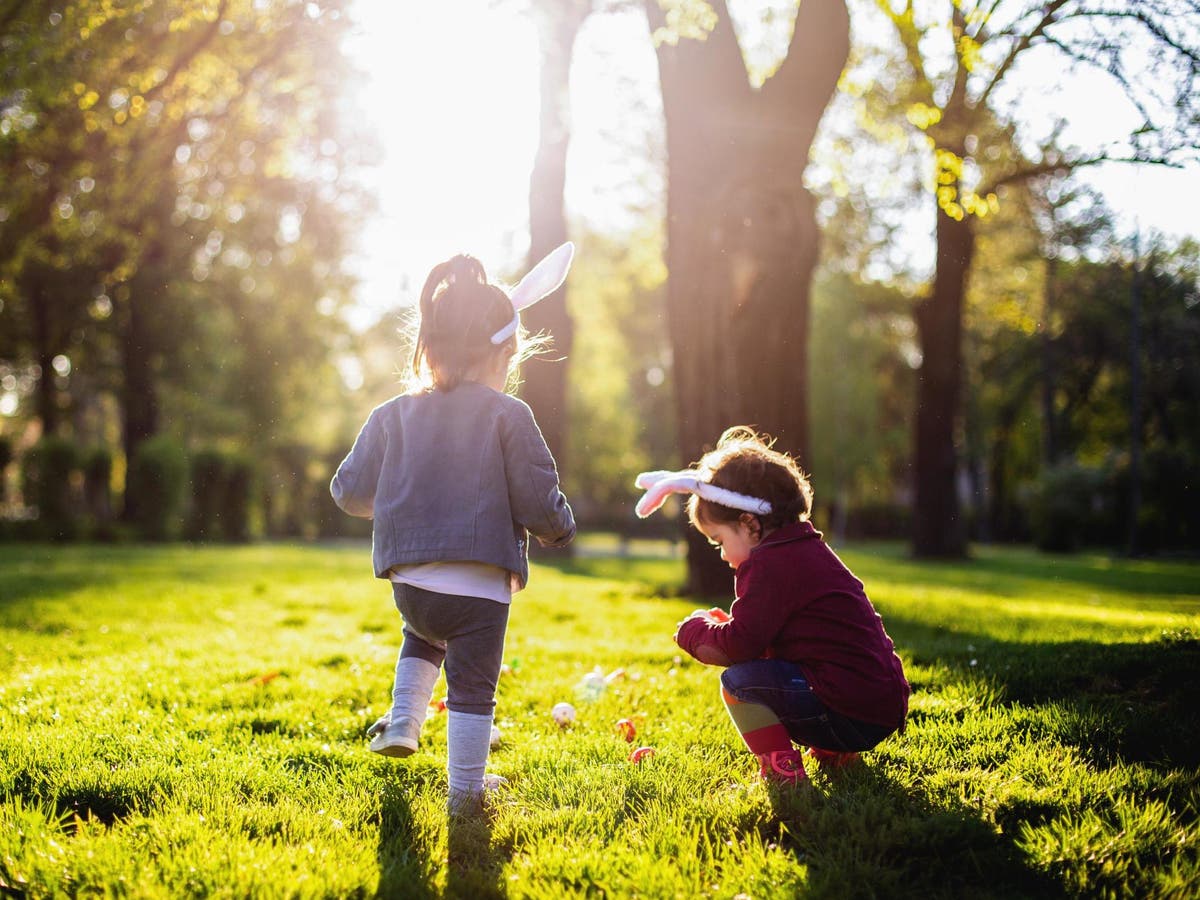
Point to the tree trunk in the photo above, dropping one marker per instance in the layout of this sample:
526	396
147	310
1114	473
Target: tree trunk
742	239
44	346
1135	401
139	394
1049	415
938	527
545	385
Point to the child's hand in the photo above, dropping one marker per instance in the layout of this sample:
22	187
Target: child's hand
705	653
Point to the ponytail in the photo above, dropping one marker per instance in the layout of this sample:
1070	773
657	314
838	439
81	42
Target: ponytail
459	312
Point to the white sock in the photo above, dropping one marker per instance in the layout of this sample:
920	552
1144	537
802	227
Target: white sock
469	737
413	687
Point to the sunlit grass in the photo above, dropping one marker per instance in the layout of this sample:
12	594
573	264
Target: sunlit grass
189	722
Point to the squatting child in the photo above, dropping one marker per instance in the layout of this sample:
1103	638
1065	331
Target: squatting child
806	658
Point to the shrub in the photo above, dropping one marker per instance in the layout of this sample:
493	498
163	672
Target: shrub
1067	504
235	499
1170	515
154	488
208	483
880	520
222	485
97	491
46	483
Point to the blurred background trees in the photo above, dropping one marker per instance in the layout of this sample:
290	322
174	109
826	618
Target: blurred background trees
178	200
913	289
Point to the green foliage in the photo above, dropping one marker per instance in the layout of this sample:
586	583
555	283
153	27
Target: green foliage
1170	519
222	484
47	471
155	488
97	468
621	396
222	257
151	744
1066	503
207	478
236	498
860	413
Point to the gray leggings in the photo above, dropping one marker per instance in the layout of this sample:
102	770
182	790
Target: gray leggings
465	633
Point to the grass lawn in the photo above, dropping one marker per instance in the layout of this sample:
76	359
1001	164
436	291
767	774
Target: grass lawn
188	722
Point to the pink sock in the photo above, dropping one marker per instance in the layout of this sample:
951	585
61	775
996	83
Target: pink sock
771	739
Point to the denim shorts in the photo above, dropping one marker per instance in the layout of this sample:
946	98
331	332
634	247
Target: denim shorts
781	687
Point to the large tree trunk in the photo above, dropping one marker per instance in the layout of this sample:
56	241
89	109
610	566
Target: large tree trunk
545	386
938	527
742	239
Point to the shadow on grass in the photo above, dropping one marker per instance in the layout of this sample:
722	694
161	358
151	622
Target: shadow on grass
410	858
1008	571
36	576
862	834
1131	702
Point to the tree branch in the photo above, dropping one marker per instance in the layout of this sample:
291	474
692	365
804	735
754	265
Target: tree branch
816	55
1063	166
1153	26
1023	44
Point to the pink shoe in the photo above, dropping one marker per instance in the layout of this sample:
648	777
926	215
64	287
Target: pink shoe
832	758
782	767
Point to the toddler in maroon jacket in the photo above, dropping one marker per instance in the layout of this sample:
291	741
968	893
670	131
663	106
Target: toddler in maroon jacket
807	660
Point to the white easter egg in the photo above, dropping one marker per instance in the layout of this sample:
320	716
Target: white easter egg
563	713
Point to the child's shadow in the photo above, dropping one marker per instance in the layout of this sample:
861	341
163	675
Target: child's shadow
474	865
860	833
411	853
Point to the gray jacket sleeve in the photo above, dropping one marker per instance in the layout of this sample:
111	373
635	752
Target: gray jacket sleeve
534	495
353	485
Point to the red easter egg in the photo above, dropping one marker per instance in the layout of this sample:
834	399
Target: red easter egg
641	753
627	729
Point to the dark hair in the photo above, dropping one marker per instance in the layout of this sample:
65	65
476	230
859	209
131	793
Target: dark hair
460	311
744	462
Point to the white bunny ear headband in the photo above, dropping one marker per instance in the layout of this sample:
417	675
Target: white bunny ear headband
543	280
659	485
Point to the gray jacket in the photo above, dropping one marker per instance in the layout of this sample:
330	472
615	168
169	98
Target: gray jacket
460	475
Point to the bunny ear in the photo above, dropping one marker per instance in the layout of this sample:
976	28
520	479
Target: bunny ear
544	278
659	485
649	479
662	487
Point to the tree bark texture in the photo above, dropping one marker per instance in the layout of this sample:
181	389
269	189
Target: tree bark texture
742	239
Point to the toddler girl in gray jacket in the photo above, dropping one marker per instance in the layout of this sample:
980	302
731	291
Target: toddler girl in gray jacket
455	475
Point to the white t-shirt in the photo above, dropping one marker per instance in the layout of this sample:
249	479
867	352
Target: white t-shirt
467	579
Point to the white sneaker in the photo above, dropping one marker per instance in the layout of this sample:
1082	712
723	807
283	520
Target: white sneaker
397	738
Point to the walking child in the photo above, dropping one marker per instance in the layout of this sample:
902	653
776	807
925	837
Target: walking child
456	475
806	658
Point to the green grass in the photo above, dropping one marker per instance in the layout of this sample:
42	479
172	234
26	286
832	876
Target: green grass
188	722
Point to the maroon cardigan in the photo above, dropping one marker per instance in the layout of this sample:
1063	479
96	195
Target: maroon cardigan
795	600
